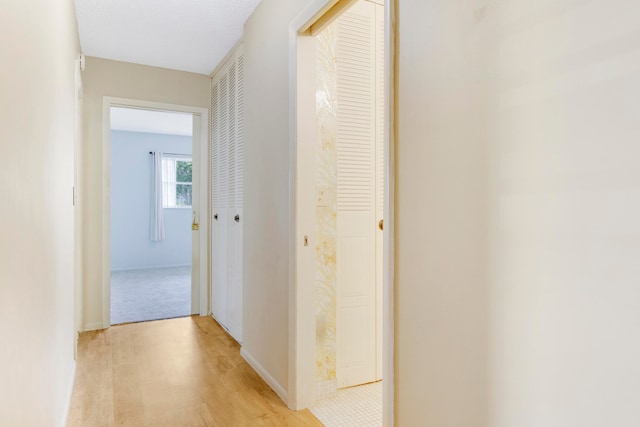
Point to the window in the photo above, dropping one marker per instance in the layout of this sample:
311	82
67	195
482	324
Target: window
176	181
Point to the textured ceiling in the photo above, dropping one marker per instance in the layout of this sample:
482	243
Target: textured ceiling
188	35
168	123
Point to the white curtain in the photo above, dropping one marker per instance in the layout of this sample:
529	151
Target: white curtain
156	225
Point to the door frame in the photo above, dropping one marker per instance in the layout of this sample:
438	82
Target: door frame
200	240
77	207
302	381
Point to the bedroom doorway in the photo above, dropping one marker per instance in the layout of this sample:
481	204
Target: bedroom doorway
154	199
151	212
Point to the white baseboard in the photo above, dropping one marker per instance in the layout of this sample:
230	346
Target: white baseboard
67	403
271	382
92	326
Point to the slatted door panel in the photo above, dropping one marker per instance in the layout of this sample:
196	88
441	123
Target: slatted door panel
356	150
214	146
227	160
240	132
220	172
231	201
214	167
239	193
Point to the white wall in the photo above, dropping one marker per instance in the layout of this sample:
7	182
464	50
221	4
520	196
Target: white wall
38	50
124	80
131	204
518	198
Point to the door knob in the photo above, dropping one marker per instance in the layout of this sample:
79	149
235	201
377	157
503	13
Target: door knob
381	224
215	217
237	218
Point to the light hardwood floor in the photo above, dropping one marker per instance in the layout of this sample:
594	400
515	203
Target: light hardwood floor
178	372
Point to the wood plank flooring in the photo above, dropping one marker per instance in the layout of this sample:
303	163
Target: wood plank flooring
183	372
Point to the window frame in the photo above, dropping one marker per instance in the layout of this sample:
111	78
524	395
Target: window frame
176	158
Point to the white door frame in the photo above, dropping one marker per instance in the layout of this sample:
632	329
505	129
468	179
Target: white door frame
77	202
200	240
302	383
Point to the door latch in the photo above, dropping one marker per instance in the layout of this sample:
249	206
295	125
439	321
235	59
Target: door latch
194	224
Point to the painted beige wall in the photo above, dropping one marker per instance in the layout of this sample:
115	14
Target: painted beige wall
101	78
267	207
38	48
518	198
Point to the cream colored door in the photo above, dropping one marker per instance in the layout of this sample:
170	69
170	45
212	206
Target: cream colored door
360	196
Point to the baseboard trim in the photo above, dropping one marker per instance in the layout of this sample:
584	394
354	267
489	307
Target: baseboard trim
271	382
67	405
92	326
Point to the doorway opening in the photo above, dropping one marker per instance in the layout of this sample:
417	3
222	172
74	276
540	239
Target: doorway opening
342	156
151	214
154	209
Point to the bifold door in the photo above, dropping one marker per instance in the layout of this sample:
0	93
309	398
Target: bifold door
227	169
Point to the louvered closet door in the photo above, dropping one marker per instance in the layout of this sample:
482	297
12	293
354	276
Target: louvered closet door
220	228
238	198
227	161
214	150
357	221
232	237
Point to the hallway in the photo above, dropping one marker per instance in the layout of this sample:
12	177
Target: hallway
177	372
